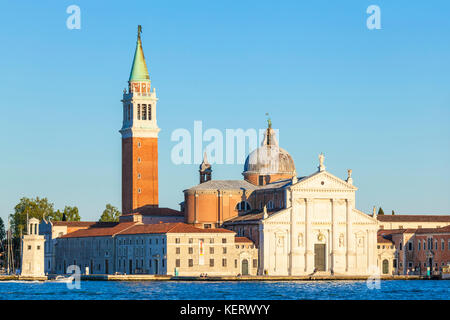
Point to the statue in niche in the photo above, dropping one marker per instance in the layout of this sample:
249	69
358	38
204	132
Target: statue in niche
300	239
280	241
341	240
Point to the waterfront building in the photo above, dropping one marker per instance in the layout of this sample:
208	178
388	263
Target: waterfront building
32	251
162	248
51	230
418	251
184	250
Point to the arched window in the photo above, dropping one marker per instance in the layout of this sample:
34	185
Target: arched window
243	206
149	112
385	266
139	112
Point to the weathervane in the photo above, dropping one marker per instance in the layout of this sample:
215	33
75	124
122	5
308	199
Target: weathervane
139	31
269	122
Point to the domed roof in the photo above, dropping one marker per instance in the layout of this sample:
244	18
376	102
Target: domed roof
269	158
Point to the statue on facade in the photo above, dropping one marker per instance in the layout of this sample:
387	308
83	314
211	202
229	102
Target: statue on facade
321	160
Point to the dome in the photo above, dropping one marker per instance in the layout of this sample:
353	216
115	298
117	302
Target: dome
269	159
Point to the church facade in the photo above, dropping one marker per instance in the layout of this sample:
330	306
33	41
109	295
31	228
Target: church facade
301	225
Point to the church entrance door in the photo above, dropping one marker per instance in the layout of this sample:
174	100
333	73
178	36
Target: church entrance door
319	257
245	267
385	266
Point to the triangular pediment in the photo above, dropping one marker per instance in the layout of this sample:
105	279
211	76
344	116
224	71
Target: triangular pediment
323	180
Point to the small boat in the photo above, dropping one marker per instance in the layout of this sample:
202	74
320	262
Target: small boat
63	279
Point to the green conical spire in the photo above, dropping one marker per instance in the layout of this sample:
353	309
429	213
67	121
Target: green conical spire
139	70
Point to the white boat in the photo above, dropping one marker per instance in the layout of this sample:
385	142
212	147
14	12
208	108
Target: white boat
63	279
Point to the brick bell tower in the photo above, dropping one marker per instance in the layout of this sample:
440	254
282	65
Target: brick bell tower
139	138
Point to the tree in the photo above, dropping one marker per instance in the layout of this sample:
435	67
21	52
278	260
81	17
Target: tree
38	208
69	214
393	213
2	231
380	212
35	208
110	214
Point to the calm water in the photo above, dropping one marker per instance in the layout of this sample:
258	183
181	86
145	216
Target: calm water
397	290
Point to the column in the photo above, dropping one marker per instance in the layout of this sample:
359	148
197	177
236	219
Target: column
293	235
309	245
333	234
349	252
195	207
219	209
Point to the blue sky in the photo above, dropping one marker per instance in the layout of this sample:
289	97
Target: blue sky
375	101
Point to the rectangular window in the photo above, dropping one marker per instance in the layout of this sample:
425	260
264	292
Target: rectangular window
212	240
255	263
177	250
224	240
177	263
211	250
139	112
261	180
211	262
149	112
410	246
235	263
191	240
191	263
224	250
442	245
177	240
224	262
191	250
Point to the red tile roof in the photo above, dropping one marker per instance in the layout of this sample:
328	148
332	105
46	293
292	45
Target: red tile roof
100	230
413	218
74	223
175	227
387	232
242	240
381	239
445	229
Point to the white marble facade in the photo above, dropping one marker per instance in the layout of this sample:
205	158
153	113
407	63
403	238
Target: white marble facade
320	230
